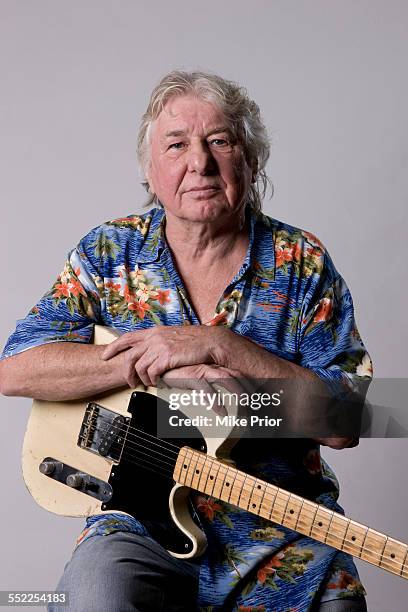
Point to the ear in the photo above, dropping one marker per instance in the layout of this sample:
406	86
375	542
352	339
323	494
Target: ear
149	180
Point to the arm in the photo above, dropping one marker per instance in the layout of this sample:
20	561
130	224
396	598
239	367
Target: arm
60	371
148	354
48	356
237	352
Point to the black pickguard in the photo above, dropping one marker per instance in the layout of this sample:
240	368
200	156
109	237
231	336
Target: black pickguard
142	481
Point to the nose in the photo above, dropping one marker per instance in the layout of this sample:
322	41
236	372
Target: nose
200	159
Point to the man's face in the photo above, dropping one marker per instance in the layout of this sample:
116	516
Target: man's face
197	170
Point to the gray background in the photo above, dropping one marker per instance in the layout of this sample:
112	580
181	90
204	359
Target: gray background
330	78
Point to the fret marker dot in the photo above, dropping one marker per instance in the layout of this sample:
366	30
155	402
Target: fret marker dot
197	471
291	511
320	524
211	477
254	505
353	538
184	466
392	556
259	487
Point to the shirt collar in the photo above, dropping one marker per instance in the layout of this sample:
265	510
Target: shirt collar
260	255
263	251
154	242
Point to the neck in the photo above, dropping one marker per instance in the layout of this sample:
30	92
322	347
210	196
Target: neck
207	475
206	242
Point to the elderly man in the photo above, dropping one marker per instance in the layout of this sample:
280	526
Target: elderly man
205	287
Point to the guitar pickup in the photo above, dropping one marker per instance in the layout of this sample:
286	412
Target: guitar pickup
103	431
113	436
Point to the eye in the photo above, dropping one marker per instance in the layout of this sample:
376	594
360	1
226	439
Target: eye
176	145
219	142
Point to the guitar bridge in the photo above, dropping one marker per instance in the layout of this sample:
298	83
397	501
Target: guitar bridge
103	431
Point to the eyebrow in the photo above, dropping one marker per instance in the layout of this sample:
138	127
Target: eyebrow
217	130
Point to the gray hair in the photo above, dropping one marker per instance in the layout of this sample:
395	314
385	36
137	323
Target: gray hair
241	112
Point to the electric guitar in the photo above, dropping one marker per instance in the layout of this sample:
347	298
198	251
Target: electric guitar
87	457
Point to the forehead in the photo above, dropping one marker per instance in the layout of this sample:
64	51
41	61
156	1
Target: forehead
189	114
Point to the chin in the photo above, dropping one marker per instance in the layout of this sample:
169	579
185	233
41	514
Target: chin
207	210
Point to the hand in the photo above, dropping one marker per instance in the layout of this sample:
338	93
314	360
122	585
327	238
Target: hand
205	377
149	353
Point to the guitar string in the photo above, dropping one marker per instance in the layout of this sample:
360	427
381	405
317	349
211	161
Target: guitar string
382	557
384	562
252	491
132	444
170	473
169	448
124	430
351	542
157	470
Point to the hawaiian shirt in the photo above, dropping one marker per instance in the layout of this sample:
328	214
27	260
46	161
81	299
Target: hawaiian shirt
289	298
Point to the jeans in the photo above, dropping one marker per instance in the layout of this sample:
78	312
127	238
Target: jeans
125	572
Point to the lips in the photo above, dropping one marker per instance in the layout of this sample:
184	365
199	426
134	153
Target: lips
204	188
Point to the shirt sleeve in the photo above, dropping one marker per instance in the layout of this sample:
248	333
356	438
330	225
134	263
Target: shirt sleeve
329	342
66	313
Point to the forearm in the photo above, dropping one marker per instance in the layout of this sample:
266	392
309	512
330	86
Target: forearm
307	396
60	371
256	362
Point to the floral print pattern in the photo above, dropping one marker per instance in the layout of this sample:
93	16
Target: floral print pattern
134	297
289	298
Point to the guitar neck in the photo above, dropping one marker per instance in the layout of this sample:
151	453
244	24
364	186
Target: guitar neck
212	477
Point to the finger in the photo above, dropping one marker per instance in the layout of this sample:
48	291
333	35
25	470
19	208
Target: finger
133	380
130	359
120	344
143	376
224	378
148	367
187	377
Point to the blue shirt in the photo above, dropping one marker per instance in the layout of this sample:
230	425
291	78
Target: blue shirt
288	297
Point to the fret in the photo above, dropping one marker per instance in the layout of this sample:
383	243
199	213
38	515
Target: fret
329	527
227	486
404	568
219	481
205	472
374	545
321	522
364	541
282	497
212	478
354	538
262	487
178	474
338	529
305	519
186	462
239	504
236	489
193	471
244	495
292	512
197	473
308	520
268	501
393	556
252	505
299	513
209	464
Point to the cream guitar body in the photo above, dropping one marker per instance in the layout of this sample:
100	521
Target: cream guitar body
103	454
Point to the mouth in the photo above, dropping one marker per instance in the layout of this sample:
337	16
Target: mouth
205	190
